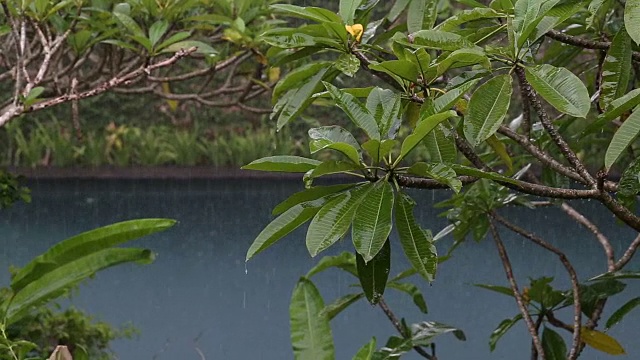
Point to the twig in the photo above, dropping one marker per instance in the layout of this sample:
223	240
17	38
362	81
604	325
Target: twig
502	251
396	323
602	239
584	43
628	254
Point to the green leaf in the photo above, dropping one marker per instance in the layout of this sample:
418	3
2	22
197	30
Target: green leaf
462	58
617	275
367	351
32	96
439	172
69	273
377	150
372	222
601	341
283	163
129	23
621	140
502	329
471	171
337	138
468	15
327	168
632	19
560	88
501	150
590	295
487	108
437	39
345	261
553	345
384	105
496	288
299	96
397	8
616	69
448	100
85	244
284	224
311	336
173	39
336	307
373	275
556	16
629	184
412	291
288	38
157	31
311	194
441	147
619	314
425	331
417	244
203	48
421	14
356	111
295	78
402	68
425	125
528	14
621	105
348	64
310	13
334	219
347	9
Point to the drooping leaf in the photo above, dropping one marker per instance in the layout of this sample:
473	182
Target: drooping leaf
372	222
288	221
356	111
502	329
487	108
334	218
295	78
439	172
411	290
617	275
337	138
84	244
345	261
283	163
417	244
441	147
437	39
592	294
340	304
424	332
129	23
500	149
560	88
425	125
446	101
373	275
384	105
468	15
623	137
553	345
311	336
632	19
402	68
463	58
601	341
329	167
367	351
616	69
51	282
311	194
619	314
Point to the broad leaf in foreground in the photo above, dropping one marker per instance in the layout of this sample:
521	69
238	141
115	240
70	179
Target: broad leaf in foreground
487	108
553	345
373	275
625	135
311	336
616	69
425	125
632	19
372	222
417	244
560	88
283	163
355	110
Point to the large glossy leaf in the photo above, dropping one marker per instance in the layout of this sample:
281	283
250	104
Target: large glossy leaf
372	222
310	13
337	138
340	304
309	195
295	78
347	9
412	291
356	111
53	281
384	105
556	16
329	167
311	336
528	14
424	331
367	351
616	69
487	108
425	125
463	58
439	172
421	14
298	98
465	16
283	163
448	100
632	19
601	341
404	69
560	88
334	219
417	244
619	314
441	147
502	329
373	275
625	135
345	261
437	39
288	38
553	345
84	244
284	224
621	105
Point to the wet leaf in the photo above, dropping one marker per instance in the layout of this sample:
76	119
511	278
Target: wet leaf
621	140
616	69
619	314
283	163
502	329
553	345
372	222
373	275
601	341
487	108
560	88
311	336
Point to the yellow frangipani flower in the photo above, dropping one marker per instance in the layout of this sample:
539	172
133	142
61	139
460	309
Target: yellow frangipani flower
356	30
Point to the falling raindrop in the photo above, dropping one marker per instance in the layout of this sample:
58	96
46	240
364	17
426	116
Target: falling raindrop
246	271
244	299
